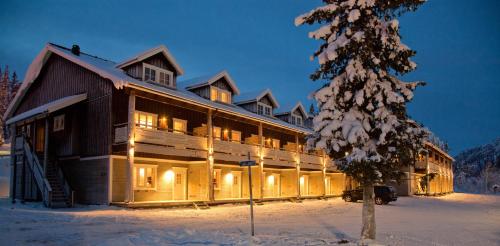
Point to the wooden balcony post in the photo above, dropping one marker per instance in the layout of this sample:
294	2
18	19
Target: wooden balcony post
427	181
129	196
13	162
261	160
297	152
210	156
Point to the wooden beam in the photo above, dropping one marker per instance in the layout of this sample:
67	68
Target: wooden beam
46	146
129	196
261	160
210	156
297	151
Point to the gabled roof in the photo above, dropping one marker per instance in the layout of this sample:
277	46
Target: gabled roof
208	80
151	52
254	96
287	109
108	70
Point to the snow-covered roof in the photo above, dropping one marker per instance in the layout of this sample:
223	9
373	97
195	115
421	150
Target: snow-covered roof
109	70
48	108
208	80
253	96
151	52
288	108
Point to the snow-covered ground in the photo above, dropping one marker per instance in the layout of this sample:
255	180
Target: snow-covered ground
457	219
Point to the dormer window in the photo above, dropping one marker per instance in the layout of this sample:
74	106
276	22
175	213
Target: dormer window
296	120
157	75
264	109
218	94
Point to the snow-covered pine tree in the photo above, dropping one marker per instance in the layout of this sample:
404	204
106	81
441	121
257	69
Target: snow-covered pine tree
362	115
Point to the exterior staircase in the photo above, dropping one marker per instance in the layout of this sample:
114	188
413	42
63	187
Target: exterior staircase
56	193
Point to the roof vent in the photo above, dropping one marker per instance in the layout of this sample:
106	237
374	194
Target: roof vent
75	50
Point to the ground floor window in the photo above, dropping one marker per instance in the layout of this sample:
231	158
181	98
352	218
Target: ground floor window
144	177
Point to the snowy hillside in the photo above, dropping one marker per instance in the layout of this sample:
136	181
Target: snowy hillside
474	166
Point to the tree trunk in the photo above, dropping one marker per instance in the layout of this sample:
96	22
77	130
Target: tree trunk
368	217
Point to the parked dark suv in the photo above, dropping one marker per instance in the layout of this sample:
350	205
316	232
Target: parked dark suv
383	194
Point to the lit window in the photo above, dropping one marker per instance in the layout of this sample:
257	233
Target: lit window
217	177
158	75
59	123
276	143
180	126
217	132
224	96
145	120
217	94
213	94
236	136
144	177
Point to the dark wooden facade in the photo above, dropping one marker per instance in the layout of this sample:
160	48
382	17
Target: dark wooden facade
135	70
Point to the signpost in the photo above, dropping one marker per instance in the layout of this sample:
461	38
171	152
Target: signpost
249	164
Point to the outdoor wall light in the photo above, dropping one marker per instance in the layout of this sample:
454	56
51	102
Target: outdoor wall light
168	176
302	180
270	179
229	178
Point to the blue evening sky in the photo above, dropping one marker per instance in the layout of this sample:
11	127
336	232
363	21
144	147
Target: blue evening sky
457	44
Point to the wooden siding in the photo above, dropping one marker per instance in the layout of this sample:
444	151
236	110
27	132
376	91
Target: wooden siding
265	100
61	78
252	107
202	91
89	179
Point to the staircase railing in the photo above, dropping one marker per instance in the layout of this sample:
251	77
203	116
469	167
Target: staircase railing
36	169
68	192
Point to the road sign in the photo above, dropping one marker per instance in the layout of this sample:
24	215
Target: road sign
247	163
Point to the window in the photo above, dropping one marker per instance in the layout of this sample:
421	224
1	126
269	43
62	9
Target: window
158	75
217	94
59	123
217	176
144	177
236	136
217	133
276	144
145	120
296	120
180	126
263	109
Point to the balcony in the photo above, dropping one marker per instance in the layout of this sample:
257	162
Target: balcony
168	143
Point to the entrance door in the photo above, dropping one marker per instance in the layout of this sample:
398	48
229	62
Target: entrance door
274	185
328	188
304	185
236	187
180	183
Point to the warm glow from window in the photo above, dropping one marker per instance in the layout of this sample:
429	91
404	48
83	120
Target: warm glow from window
144	177
145	120
235	136
217	132
180	126
163	123
217	94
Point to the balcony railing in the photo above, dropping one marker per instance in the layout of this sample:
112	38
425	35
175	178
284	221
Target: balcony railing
174	143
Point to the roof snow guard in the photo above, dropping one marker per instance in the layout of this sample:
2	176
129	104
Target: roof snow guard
208	80
248	97
151	52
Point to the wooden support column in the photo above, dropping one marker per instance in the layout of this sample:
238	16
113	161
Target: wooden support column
427	181
13	162
325	160
46	146
297	159
261	160
129	196
210	156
